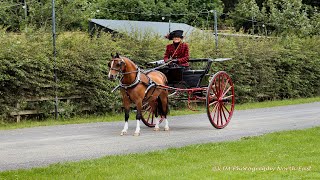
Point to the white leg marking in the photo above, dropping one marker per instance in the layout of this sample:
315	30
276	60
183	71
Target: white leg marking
125	129
156	127
137	132
166	126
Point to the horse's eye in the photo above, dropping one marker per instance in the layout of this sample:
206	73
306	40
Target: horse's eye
109	64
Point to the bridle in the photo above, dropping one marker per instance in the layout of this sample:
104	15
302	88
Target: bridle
121	63
120	71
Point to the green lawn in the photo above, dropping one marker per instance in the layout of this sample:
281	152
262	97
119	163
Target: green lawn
120	117
281	155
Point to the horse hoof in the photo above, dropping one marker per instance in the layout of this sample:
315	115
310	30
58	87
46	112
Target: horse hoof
166	129
123	133
136	134
156	129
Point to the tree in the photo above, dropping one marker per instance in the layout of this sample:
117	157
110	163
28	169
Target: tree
12	15
287	16
246	14
311	2
69	14
186	11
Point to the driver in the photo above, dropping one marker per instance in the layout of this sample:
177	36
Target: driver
178	51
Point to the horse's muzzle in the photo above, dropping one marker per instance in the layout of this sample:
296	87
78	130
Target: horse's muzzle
111	77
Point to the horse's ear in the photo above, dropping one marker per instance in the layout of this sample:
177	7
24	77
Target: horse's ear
117	55
112	55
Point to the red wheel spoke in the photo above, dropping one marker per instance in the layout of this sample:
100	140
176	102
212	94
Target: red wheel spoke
224	114
222	86
215	111
228	97
213	103
213	90
214	108
219	86
148	115
226	109
225	85
226	91
216	114
220	115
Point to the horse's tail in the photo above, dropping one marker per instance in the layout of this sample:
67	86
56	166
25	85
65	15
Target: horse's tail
161	110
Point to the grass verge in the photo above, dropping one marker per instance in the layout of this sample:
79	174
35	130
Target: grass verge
280	155
120	117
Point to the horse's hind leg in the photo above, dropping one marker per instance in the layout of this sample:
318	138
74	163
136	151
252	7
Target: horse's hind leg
165	108
153	105
138	118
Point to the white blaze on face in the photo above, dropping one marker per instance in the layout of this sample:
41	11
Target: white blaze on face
110	69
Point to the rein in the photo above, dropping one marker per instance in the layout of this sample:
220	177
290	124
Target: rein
158	67
170	60
174	53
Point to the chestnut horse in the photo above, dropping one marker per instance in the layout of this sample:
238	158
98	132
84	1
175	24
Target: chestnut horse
139	87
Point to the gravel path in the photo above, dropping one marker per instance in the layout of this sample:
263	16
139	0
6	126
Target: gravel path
41	146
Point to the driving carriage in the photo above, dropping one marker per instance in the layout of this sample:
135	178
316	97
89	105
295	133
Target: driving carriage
196	85
150	90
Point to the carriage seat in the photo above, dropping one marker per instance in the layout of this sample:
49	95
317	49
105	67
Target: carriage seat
176	75
193	77
187	72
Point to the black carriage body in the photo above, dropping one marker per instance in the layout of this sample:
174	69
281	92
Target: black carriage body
194	85
189	78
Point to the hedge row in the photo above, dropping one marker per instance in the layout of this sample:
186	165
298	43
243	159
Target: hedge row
262	69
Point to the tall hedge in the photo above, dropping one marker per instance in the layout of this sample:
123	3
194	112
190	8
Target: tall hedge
262	68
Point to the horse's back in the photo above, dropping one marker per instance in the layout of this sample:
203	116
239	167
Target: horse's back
158	77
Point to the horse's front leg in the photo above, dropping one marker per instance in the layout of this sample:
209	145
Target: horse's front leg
138	118
126	104
125	128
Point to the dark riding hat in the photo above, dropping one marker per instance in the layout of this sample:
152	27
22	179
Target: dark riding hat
176	33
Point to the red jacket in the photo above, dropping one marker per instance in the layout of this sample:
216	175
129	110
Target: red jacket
182	54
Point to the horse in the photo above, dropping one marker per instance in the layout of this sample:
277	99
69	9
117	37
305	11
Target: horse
139	87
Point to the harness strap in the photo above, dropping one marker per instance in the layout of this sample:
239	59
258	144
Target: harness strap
135	82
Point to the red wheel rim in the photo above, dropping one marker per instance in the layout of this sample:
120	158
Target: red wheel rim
220	100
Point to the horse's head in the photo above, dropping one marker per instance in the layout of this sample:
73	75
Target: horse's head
116	65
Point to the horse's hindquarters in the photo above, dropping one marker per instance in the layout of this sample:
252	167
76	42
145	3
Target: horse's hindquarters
158	77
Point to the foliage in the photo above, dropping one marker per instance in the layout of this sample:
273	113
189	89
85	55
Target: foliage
191	12
245	10
256	16
266	68
262	69
74	15
288	16
277	17
70	15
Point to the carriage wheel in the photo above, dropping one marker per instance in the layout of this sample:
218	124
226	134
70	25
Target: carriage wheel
220	100
148	116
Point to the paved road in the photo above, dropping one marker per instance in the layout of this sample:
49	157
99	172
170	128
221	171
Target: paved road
32	147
